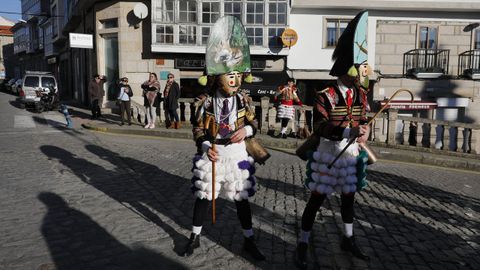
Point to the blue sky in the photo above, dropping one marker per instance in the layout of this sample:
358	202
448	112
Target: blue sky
10	6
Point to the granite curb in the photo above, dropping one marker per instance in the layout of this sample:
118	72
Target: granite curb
425	156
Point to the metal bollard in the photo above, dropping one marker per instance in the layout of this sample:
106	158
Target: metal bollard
64	110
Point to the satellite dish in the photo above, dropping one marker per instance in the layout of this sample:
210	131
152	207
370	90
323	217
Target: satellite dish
141	11
470	27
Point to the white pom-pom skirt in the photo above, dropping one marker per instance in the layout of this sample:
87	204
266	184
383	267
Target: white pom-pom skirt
342	177
285	111
234	174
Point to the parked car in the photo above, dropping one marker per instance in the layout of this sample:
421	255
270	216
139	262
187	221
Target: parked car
35	82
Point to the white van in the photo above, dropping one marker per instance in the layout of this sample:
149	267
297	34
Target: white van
34	81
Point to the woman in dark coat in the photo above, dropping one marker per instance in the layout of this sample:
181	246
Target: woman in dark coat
171	95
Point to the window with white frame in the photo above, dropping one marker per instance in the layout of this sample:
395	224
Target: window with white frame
255	12
188	11
210	11
233	8
427	37
165	10
188	22
275	37
277	12
187	34
334	30
255	36
165	34
205	34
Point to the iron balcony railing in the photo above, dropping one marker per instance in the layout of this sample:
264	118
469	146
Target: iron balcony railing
469	64
425	61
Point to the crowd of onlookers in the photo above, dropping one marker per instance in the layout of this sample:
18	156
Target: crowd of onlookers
151	92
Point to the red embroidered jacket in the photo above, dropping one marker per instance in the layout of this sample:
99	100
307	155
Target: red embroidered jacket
332	115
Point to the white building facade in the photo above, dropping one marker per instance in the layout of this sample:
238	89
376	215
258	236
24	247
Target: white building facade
424	46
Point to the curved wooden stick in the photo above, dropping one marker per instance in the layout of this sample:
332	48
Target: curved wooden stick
352	140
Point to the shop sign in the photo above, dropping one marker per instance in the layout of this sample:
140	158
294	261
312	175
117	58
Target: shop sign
83	41
406	105
289	37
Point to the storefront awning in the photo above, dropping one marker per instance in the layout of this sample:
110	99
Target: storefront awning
265	83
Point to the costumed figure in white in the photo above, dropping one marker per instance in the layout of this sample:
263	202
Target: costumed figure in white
339	116
224	118
286	95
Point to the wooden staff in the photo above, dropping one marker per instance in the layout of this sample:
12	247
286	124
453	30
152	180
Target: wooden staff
214	131
370	122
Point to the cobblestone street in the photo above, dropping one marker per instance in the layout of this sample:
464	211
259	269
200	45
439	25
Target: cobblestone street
73	199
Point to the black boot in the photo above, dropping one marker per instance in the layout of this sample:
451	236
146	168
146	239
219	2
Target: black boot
301	255
348	244
192	244
284	136
250	247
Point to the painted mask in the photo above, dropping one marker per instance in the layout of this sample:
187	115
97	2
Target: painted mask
230	82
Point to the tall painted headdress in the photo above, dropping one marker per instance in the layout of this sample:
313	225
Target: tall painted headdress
352	47
227	48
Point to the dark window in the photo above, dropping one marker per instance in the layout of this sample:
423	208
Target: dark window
31	81
428	37
233	8
165	34
335	29
188	11
205	34
477	40
110	23
255	36
277	13
255	13
210	12
187	34
48	81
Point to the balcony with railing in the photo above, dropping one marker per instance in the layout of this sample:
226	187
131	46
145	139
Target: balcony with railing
426	63
469	64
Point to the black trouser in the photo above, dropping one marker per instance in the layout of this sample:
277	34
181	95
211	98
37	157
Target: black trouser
125	107
314	203
96	112
284	122
244	213
173	115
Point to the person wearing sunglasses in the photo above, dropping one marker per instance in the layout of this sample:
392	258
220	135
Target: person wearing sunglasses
150	91
171	94
124	95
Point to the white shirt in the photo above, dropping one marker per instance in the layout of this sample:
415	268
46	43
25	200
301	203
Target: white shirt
343	89
123	95
232	118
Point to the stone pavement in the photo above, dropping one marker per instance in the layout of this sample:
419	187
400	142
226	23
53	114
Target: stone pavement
73	199
403	153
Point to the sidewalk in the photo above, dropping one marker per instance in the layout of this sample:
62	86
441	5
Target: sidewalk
110	124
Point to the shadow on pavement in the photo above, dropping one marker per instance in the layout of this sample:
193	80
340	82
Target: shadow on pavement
76	241
171	198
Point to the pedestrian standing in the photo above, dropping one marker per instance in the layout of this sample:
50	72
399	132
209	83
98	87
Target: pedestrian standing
96	92
340	117
171	94
286	95
124	95
150	90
